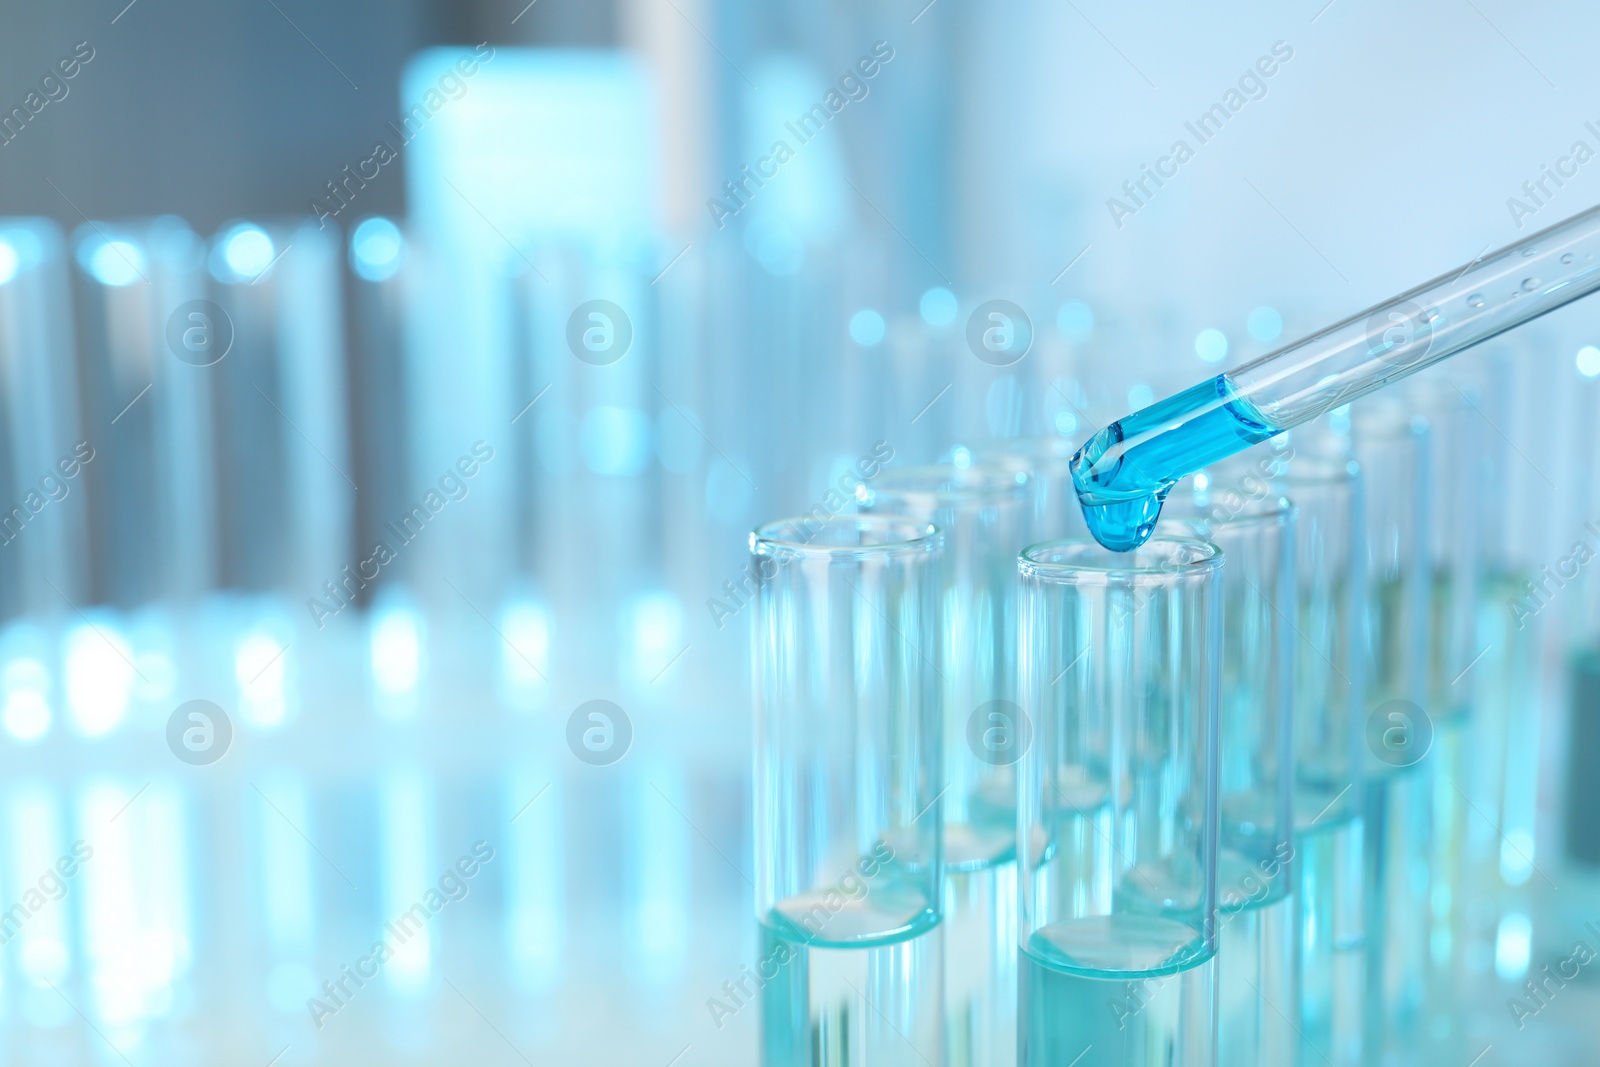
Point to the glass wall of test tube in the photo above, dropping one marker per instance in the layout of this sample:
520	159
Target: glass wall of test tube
1325	486
849	842
1254	527
1118	803
985	513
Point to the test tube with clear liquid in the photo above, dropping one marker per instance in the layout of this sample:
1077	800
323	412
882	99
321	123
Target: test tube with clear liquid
1124	472
848	815
1564	909
1509	683
1118	804
1237	509
984	514
1456	429
1392	445
1325	486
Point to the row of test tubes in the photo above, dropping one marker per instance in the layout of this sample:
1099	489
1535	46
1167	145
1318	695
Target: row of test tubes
1260	792
580	563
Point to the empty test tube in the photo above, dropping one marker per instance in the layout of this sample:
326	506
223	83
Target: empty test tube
145	330
42	570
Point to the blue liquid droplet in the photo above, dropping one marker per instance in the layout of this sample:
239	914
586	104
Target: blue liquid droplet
1125	525
1123	473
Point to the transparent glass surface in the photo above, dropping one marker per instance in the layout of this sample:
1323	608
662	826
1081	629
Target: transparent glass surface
1325	485
1119	796
1254	527
983	513
1124	471
848	845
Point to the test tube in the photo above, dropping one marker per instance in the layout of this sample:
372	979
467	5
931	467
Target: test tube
380	287
150	488
1519	605
1392	444
848	809
1455	475
1329	952
1568	897
1118	804
1047	460
1254	527
984	514
42	572
285	493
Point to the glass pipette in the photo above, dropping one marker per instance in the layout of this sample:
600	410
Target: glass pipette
1122	473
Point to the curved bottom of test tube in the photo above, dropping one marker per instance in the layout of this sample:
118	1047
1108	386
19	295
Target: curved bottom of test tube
1123	473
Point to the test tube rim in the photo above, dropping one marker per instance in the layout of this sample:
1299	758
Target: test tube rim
903	536
1207	559
989	481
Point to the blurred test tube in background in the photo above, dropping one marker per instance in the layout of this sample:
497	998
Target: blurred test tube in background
1254	527
1392	445
1324	485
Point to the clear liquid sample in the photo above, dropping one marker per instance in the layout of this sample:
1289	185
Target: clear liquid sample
1255	983
886	910
1397	822
852	1007
1117	991
1330	949
980	967
1255	934
1123	473
1451	755
1448	896
1583	787
1508	693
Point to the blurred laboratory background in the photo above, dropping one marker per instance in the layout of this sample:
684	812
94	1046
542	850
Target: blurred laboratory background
388	392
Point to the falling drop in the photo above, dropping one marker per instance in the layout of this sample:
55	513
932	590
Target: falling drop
1530	284
1476	300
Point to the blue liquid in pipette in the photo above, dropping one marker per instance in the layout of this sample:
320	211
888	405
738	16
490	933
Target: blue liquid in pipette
1122	499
